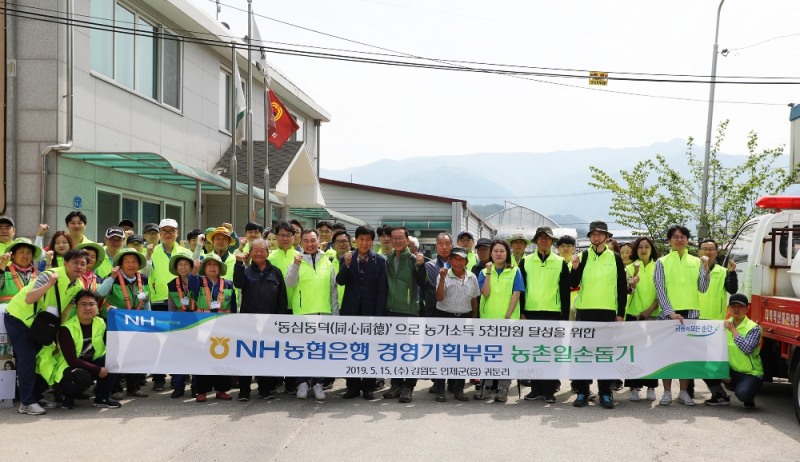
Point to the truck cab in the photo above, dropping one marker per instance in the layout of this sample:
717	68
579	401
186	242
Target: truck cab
765	251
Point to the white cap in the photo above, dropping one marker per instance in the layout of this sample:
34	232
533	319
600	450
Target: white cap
168	223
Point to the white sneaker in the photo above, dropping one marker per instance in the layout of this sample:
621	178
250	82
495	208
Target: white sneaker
32	409
684	398
651	394
302	391
634	395
666	398
319	394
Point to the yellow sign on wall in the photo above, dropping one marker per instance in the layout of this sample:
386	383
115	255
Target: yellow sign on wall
598	78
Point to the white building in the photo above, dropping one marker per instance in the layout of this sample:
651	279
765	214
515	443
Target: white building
129	109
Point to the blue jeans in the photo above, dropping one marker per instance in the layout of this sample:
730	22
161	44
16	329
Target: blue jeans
744	386
30	388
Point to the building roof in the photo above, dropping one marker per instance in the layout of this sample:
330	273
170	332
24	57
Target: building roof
279	162
393	192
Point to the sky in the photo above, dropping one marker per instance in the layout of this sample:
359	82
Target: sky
388	112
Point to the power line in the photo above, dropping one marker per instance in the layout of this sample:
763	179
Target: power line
367	60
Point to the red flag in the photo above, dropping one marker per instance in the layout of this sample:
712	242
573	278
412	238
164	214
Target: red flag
284	124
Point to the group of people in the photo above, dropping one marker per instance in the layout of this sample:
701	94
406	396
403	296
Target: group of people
326	271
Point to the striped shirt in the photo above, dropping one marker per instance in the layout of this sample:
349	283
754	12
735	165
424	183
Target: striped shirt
661	291
458	293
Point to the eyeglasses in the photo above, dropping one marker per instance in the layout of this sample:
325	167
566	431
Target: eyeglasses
168	231
678	237
87	305
341	241
285	236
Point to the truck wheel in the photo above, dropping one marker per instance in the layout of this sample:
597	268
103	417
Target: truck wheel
796	391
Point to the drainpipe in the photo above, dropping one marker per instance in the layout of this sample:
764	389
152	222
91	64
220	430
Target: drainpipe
68	145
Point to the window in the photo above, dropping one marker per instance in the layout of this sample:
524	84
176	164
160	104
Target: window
136	53
113	206
224	100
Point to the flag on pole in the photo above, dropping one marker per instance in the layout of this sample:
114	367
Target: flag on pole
240	107
285	124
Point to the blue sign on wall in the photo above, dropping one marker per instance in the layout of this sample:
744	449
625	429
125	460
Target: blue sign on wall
77	202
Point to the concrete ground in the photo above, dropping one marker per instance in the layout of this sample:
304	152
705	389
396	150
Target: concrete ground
158	428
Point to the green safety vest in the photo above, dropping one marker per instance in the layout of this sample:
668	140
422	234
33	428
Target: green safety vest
645	293
495	305
116	297
176	298
204	305
74	327
24	311
160	276
313	284
542	290
599	282
739	361
10	287
714	302
680	280
336	266
472	260
46	363
105	268
281	259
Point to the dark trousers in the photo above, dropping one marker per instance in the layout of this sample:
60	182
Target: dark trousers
76	380
265	384
31	386
744	386
220	383
410	383
544	387
639	383
362	384
603	386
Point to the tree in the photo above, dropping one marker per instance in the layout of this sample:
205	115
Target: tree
655	195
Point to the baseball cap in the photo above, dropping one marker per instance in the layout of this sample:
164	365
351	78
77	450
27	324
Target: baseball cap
126	222
168	223
460	251
150	227
465	233
115	231
7	220
483	241
135	238
738	299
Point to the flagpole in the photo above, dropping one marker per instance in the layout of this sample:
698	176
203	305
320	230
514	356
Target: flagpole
233	134
251	203
267	107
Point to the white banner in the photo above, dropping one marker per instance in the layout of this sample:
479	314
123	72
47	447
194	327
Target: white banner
346	346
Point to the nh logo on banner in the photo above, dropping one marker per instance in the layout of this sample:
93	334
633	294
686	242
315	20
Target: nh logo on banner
139	320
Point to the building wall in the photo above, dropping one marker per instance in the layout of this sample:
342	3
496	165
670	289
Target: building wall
108	117
374	207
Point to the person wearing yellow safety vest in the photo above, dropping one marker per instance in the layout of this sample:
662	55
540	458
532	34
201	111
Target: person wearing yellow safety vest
7	232
158	273
52	291
466	241
60	244
17	268
680	278
312	276
76	226
115	237
566	249
501	286
384	233
363	277
546	277
600	274
81	358
340	245
642	303
518	243
214	295
136	242
90	279
744	356
714	302
325	231
283	256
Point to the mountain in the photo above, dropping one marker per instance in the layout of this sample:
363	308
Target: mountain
553	183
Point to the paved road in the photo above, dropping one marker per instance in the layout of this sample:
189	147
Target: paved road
162	429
